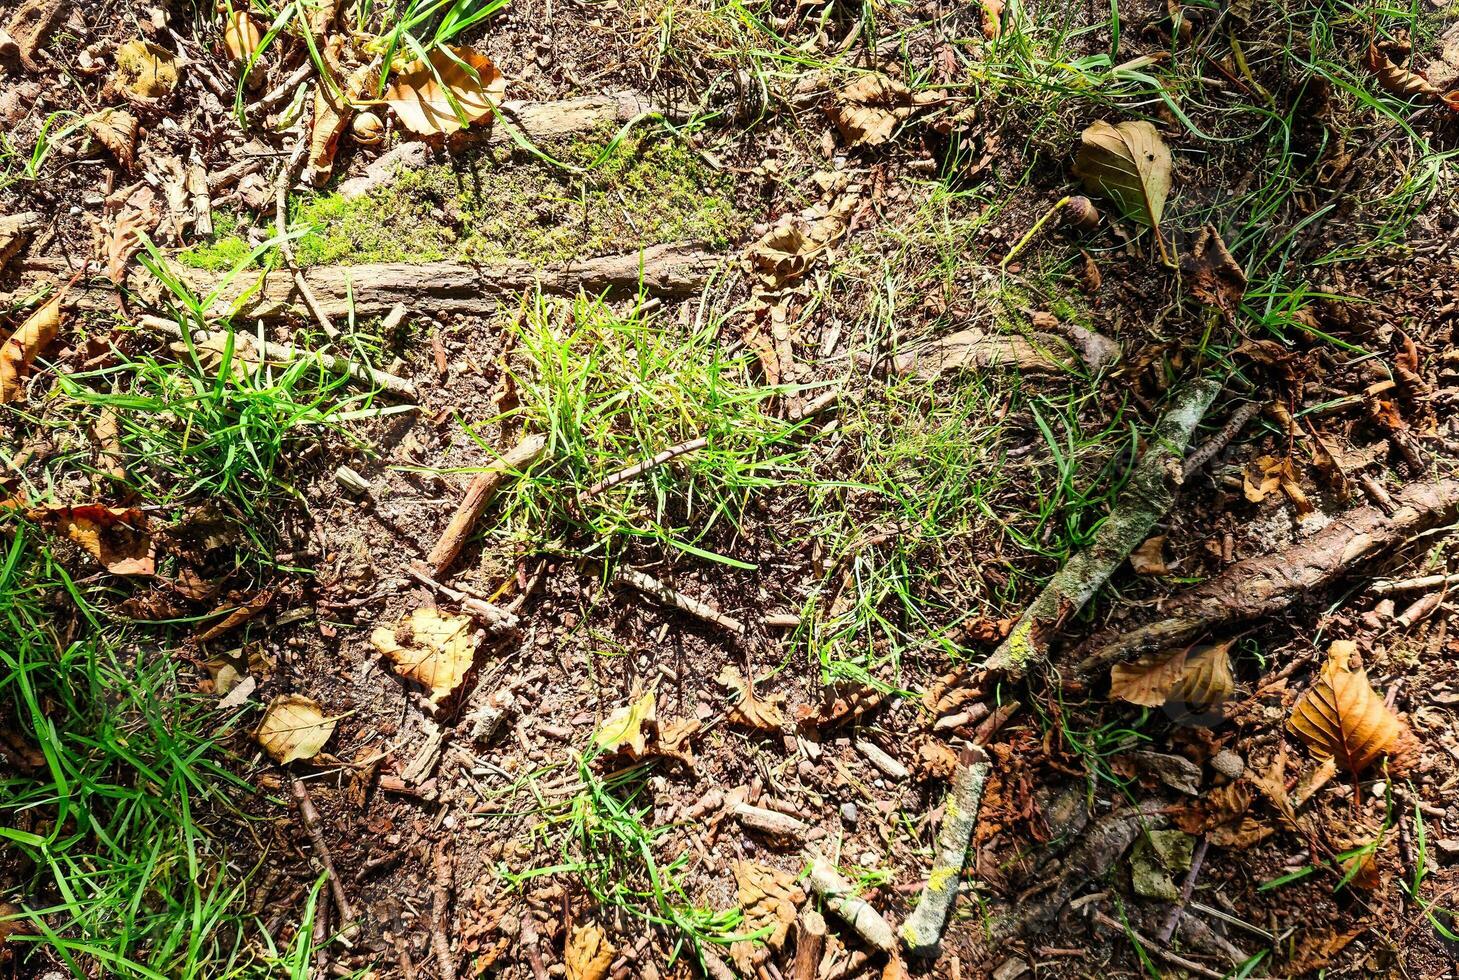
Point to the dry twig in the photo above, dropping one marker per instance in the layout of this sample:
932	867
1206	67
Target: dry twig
483	488
312	826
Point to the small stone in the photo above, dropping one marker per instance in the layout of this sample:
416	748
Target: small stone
848	813
1228	763
1380	789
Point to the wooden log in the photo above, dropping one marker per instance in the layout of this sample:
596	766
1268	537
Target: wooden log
482	489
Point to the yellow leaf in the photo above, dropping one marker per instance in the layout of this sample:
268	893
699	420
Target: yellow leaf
145	72
1197	677
293	727
423	102
429	648
749	710
588	954
1342	717
34	335
626	726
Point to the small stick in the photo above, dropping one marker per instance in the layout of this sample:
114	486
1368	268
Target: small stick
1158	950
993	722
288	353
483	488
1207	450
1395	586
1377	494
285	89
643	466
310	818
770	822
810	939
841	898
652	586
493	616
529	944
286	249
922	932
440	902
319	938
1167	928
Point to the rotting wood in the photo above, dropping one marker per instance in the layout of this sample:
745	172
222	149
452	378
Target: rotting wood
649	585
922	932
841	898
1266	584
288	353
770	822
1143	502
478	495
810	940
440	908
309	817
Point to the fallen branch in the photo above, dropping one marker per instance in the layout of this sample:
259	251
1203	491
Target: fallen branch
922	932
1384	587
841	898
1208	449
490	615
643	466
1144	501
649	585
483	488
288	353
440	923
1175	959
1267	584
312	826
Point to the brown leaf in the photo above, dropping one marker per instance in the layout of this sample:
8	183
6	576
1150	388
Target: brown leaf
974	349
115	536
139	216
992	11
1129	164
1399	81
588	954
769	899
750	710
430	648
1315	951
293	727
1149	557
15	231
116	130
424	104
238	613
21	349
1267	473
1240	834
868	111
145	72
1213	275
785	252
333	109
1219	806
1200	677
1342	717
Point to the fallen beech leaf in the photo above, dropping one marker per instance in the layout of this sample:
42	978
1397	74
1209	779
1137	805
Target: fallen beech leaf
1200	678
1399	81
1220	806
430	648
588	954
675	738
868	111
1149	557
115	536
769	899
21	349
1240	834
992	19
1267	473
293	727
145	72
116	130
333	110
1212	274
15	231
625	726
750	710
238	614
140	215
241	36
422	102
785	252
1129	164
1342	717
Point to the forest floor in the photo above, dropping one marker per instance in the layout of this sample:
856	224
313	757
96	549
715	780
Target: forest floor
614	537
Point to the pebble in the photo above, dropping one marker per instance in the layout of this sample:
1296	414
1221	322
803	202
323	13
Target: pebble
1228	763
848	812
1380	789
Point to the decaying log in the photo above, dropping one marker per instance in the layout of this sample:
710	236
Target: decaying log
922	932
841	898
478	495
1144	501
1267	584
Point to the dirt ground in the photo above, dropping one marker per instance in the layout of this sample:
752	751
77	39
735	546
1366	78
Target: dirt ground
735	610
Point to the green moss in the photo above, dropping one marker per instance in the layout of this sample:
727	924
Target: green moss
224	249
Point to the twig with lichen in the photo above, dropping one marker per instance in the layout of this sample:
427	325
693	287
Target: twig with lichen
922	932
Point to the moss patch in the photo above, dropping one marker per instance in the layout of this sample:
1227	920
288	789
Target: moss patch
224	250
651	190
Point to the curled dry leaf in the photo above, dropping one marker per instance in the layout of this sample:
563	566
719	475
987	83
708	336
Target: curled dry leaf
426	95
975	349
236	612
1342	717
769	899
1129	164
588	954
1398	80
241	36
1267	473
625	727
749	710
293	727
333	110
786	251
1213	275
1149	558
115	536
116	130
145	72
868	111
23	346
1199	677
430	648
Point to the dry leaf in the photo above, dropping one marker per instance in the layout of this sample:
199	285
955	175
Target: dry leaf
422	103
992	11
140	215
1221	806
1399	81
1149	557
117	131
145	72
785	252
675	738
750	710
15	231
430	648
333	110
625	726
1342	717
868	111
1199	677
241	36
935	760
1129	164
1213	275
588	954
293	727
20	350
1267	473
1315	951
115	536
977	350
769	898
238	613
1240	834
